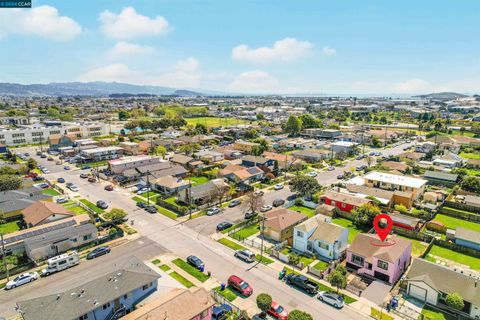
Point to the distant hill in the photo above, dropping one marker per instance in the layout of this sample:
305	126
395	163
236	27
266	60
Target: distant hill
187	93
87	89
442	95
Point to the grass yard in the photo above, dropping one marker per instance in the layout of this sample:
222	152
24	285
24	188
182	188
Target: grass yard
264	260
227	293
78	210
10	227
453	256
247	231
453	223
156	261
321	265
380	315
92	206
164	267
198	180
435	314
51	192
309	212
194	272
231	244
175	275
305	260
169	214
466	155
352	229
418	247
216	121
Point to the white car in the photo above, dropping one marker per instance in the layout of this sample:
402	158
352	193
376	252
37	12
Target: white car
73	187
21	280
278	187
331	168
266	208
312	174
245	255
45	171
213	211
144	190
331	298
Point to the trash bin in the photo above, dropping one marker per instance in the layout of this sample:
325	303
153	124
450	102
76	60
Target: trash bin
222	287
394	303
202	268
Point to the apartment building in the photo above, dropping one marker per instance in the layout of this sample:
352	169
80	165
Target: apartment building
118	166
393	182
245	146
103	153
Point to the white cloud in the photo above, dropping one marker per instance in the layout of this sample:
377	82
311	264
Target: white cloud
288	49
184	74
413	86
329	51
254	81
43	21
129	24
124	49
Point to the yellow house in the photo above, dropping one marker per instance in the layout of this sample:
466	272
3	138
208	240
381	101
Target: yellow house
245	146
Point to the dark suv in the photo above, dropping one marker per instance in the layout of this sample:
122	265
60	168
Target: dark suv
102	204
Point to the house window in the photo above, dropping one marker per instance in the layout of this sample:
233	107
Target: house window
87	237
125	296
73	239
148	285
369	266
323	245
300	234
344	205
84	317
382	265
357	260
106	306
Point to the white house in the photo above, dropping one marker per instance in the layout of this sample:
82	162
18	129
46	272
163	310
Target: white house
320	237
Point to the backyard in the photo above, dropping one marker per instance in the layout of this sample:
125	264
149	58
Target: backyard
198	180
215	121
309	212
453	223
418	247
10	227
468	155
352	229
453	256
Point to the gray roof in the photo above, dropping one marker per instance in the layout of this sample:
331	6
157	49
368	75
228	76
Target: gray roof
255	159
14	200
203	190
443	279
75	302
327	232
60	234
440	176
180	158
467	235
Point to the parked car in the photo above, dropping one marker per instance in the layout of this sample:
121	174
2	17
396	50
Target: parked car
234	203
213	211
340	177
371	153
331	168
277	311
250	215
60	180
221	312
21	280
74	188
144	190
150	209
223	225
278	187
58	162
86	167
92	179
109	187
196	262
240	285
38	178
141	204
302	282
38	153
45	170
312	174
50	159
278	202
265	208
61	200
44	185
43	156
331	298
245	255
102	204
97	252
259	193
83	175
66	168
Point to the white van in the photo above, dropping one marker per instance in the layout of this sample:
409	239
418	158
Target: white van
245	255
61	262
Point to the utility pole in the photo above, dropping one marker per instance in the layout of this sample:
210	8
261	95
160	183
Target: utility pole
4	254
148	186
263	235
190	199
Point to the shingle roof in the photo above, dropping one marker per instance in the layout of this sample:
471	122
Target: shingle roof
180	158
441	176
14	200
362	245
73	303
327	232
280	219
445	280
41	210
468	235
345	198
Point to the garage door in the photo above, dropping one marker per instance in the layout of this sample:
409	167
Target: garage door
417	292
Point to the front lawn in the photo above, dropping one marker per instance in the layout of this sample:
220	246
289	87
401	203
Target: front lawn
50	192
198	180
352	229
246	232
264	260
231	244
453	256
305	260
435	314
92	206
77	210
185	266
321	265
170	214
10	227
380	315
164	267
468	155
453	223
175	275
309	212
226	293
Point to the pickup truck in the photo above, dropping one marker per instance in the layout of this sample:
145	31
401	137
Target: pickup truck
302	282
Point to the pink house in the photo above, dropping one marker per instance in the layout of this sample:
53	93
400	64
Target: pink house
193	304
369	256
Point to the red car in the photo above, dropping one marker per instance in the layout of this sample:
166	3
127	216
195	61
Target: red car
241	286
109	187
277	311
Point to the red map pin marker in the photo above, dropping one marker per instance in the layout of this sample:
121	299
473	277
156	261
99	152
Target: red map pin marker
382	232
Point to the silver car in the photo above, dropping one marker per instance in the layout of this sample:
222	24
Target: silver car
332	299
245	255
21	280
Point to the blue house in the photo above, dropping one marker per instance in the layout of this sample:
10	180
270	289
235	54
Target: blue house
467	238
110	296
255	161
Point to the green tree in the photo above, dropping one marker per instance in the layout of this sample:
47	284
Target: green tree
365	214
455	301
31	163
276	169
471	184
308	121
293	126
304	185
201	128
293	259
10	182
160	150
376	142
264	302
337	279
123	115
401	208
299	315
260	116
115	215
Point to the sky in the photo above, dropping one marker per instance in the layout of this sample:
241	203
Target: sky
245	46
